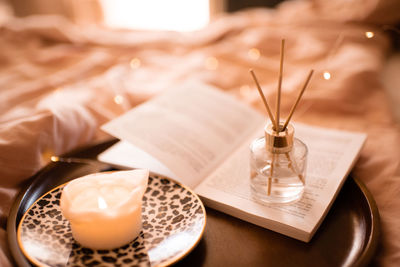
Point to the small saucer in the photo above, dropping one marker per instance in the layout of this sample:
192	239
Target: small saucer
173	223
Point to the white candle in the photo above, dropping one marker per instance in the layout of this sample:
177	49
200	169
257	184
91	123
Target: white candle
104	209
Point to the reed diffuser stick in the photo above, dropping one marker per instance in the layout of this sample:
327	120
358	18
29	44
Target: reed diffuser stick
271	117
294	168
297	100
278	97
271	174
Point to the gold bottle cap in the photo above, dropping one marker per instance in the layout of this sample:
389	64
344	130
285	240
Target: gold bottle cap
281	142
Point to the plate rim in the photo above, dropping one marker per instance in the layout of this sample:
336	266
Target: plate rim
168	262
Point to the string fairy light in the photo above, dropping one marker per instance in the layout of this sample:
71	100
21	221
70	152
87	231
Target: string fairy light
135	63
254	53
339	40
113	78
369	35
326	74
245	91
211	63
118	99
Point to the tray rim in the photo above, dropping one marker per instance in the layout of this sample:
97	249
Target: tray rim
372	244
364	258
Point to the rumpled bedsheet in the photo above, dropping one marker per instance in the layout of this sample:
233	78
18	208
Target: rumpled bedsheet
59	82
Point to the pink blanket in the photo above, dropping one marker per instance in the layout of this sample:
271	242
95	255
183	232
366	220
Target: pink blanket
60	82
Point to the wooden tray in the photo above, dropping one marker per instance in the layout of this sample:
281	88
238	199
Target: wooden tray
348	236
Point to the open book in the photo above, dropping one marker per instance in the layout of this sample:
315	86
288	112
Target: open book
200	137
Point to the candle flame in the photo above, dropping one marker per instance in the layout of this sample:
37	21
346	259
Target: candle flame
101	203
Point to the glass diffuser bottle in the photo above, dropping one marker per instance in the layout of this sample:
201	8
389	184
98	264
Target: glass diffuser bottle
278	160
278	163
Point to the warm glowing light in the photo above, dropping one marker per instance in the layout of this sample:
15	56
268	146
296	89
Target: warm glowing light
175	15
327	75
254	53
118	99
369	35
101	203
47	155
54	158
211	63
171	245
244	89
135	63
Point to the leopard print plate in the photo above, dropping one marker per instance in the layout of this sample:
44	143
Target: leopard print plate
173	222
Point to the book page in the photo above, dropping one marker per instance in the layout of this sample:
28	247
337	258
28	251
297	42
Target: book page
190	129
124	155
331	156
